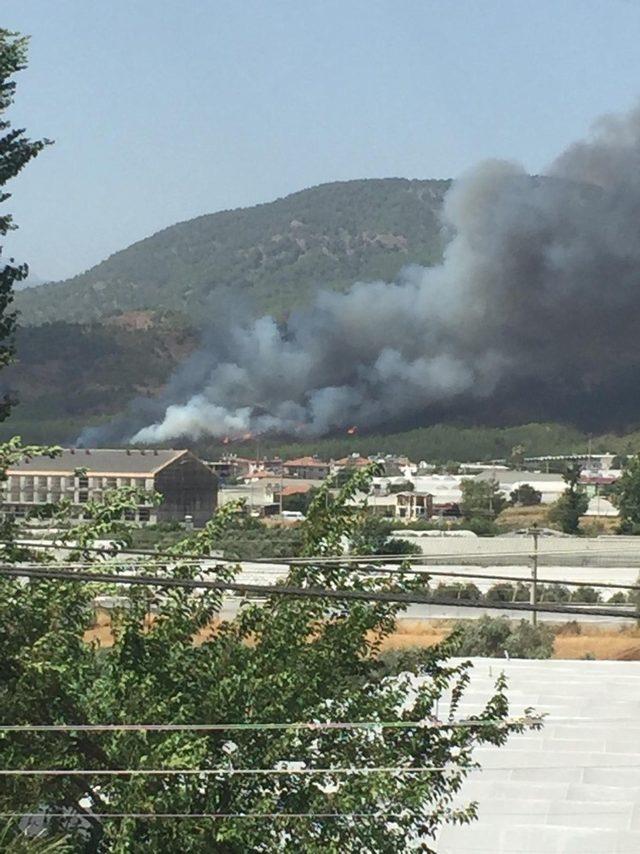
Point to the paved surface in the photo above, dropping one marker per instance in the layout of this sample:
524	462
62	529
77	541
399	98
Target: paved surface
572	788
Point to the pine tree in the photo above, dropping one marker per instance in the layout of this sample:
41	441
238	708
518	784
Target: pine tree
16	150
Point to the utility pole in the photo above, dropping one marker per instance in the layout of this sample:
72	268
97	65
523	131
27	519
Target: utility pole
535	533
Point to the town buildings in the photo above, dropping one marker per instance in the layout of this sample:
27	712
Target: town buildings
188	487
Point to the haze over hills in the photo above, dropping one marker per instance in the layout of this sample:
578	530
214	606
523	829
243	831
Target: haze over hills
273	256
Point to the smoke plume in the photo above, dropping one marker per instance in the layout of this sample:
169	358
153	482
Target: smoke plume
534	311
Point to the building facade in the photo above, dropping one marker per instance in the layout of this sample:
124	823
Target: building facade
188	487
408	506
306	468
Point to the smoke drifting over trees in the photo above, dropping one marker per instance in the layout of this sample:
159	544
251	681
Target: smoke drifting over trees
534	311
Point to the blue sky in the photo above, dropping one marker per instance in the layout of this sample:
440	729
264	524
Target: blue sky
166	109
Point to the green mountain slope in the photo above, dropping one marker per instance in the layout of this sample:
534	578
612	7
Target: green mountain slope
69	374
274	255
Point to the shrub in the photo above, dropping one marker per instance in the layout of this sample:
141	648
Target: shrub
586	595
505	591
496	637
456	590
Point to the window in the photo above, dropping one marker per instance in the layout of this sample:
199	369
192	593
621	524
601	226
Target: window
144	514
83	497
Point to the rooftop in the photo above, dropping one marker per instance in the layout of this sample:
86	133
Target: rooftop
99	461
306	462
574	786
510	476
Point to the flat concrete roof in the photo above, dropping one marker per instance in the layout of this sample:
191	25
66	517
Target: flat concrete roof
573	787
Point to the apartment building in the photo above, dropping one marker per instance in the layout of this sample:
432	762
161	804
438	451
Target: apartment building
188	487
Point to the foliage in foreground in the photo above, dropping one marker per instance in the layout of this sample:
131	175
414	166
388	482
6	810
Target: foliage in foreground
14	841
282	660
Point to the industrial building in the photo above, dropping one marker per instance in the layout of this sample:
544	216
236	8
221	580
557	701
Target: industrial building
188	487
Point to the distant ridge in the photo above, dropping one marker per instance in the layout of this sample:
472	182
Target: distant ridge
274	256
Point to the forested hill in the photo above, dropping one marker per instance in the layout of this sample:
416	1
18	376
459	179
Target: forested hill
274	255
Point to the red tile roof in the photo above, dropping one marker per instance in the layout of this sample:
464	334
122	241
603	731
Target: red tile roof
306	462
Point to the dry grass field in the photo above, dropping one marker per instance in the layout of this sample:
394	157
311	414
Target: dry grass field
514	518
587	641
593	641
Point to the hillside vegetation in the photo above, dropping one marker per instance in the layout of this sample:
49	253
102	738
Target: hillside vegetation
441	443
272	256
68	375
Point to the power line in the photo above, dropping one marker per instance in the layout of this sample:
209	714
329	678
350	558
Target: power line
622	550
372	571
277	815
399	597
517	578
527	720
235	772
315	816
231	772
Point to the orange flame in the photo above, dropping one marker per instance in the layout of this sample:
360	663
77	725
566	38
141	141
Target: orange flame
247	436
226	440
351	431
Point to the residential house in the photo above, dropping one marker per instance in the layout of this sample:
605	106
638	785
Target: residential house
306	468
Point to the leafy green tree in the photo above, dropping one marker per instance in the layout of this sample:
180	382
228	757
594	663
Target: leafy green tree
515	460
586	595
634	598
572	504
279	661
497	637
481	526
507	592
373	537
627	496
481	499
526	496
299	501
16	150
620	461
457	590
553	593
405	486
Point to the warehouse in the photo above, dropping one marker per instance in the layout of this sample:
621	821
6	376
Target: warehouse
188	487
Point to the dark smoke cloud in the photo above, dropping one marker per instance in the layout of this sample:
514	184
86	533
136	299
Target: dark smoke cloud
536	302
